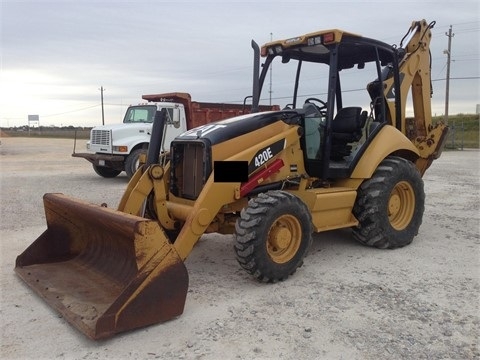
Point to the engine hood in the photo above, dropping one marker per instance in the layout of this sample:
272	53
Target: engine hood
220	131
122	126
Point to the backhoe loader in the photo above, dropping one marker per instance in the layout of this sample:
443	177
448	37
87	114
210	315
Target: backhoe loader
269	178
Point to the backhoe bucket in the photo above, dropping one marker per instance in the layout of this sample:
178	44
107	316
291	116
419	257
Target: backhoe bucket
105	271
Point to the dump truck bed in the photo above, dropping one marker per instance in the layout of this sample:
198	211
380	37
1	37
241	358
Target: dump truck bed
200	113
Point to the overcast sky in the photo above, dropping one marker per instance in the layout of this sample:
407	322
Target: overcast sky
56	55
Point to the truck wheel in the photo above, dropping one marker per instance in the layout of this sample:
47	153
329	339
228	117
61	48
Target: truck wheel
273	234
106	172
390	205
132	162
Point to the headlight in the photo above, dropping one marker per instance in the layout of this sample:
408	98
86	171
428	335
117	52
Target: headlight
120	148
314	40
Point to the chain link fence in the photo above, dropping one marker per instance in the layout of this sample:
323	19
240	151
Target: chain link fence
463	133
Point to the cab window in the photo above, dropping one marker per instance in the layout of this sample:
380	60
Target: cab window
140	114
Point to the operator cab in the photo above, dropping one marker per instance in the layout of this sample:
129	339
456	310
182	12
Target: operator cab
341	116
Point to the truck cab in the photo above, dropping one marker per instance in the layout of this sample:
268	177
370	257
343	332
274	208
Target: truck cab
118	147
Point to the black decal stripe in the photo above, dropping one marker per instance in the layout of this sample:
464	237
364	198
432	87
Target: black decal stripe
237	126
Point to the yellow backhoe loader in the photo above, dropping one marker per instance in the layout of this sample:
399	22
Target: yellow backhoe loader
270	178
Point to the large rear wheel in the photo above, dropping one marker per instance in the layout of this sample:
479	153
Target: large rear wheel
273	235
390	205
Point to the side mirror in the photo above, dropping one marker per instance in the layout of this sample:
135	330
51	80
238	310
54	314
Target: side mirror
176	118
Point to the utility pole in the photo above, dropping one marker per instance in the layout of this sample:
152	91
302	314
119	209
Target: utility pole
101	97
450	35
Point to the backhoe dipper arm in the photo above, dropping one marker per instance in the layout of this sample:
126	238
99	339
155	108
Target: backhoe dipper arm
415	76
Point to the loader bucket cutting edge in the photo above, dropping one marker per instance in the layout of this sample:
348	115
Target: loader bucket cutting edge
105	271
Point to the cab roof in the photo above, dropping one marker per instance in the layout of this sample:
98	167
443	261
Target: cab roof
316	47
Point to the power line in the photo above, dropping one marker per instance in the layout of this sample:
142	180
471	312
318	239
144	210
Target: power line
71	111
457	60
442	69
460	78
459	24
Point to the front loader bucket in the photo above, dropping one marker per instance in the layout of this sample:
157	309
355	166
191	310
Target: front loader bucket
105	271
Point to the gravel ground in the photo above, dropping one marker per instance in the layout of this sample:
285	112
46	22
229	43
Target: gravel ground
348	301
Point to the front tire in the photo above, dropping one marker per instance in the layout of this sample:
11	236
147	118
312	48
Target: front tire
106	172
273	235
133	161
390	205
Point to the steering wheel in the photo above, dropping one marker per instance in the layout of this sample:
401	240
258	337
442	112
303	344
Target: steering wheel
322	109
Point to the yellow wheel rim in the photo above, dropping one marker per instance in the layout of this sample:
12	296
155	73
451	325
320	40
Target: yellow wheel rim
401	205
284	238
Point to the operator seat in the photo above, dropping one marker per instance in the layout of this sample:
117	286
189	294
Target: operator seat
346	128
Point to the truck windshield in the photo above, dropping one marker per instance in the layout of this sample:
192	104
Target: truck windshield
140	114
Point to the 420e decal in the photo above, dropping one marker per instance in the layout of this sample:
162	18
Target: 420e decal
265	154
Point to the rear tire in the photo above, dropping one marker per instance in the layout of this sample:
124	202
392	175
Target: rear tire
273	235
106	172
132	162
390	205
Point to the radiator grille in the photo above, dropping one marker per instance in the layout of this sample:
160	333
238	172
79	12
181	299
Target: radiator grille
193	173
190	170
100	137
